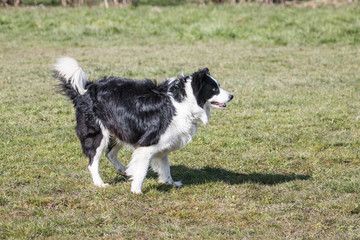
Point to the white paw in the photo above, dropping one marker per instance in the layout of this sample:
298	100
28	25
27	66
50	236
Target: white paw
102	185
136	187
136	191
178	184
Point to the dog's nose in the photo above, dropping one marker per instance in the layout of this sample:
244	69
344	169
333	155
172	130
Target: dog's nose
231	97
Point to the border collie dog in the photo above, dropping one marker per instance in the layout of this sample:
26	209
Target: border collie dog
155	119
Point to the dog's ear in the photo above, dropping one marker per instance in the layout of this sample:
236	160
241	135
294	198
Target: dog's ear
200	75
198	80
206	70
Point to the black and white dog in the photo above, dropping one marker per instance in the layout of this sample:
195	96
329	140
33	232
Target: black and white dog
155	119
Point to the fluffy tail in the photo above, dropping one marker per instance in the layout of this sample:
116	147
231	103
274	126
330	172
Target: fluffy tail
73	78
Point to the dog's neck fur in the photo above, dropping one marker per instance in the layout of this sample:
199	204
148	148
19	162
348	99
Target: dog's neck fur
182	92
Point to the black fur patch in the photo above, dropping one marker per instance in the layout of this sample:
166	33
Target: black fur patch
136	112
87	128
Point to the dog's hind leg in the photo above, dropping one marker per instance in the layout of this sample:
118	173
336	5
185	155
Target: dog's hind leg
160	164
95	160
94	138
138	167
111	154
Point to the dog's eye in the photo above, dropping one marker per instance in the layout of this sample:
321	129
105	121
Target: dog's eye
214	89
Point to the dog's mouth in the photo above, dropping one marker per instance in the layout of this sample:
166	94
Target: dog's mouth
218	105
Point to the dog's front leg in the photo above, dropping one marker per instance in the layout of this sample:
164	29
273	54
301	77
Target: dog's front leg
138	167
160	165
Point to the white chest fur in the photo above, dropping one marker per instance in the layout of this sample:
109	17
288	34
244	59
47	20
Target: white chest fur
185	122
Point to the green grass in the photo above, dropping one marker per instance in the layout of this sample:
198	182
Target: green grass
282	161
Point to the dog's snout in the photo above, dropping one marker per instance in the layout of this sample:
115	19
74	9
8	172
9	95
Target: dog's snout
231	97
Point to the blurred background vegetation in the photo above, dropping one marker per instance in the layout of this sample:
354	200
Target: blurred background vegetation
120	3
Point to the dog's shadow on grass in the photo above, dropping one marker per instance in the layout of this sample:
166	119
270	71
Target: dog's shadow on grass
214	174
207	174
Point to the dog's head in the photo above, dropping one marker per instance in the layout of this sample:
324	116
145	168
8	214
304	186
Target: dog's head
207	90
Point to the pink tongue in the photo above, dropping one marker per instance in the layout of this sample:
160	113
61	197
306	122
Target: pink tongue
218	104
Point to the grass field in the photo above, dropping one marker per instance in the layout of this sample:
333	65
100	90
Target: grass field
282	161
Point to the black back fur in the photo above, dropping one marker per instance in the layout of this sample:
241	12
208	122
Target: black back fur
135	112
